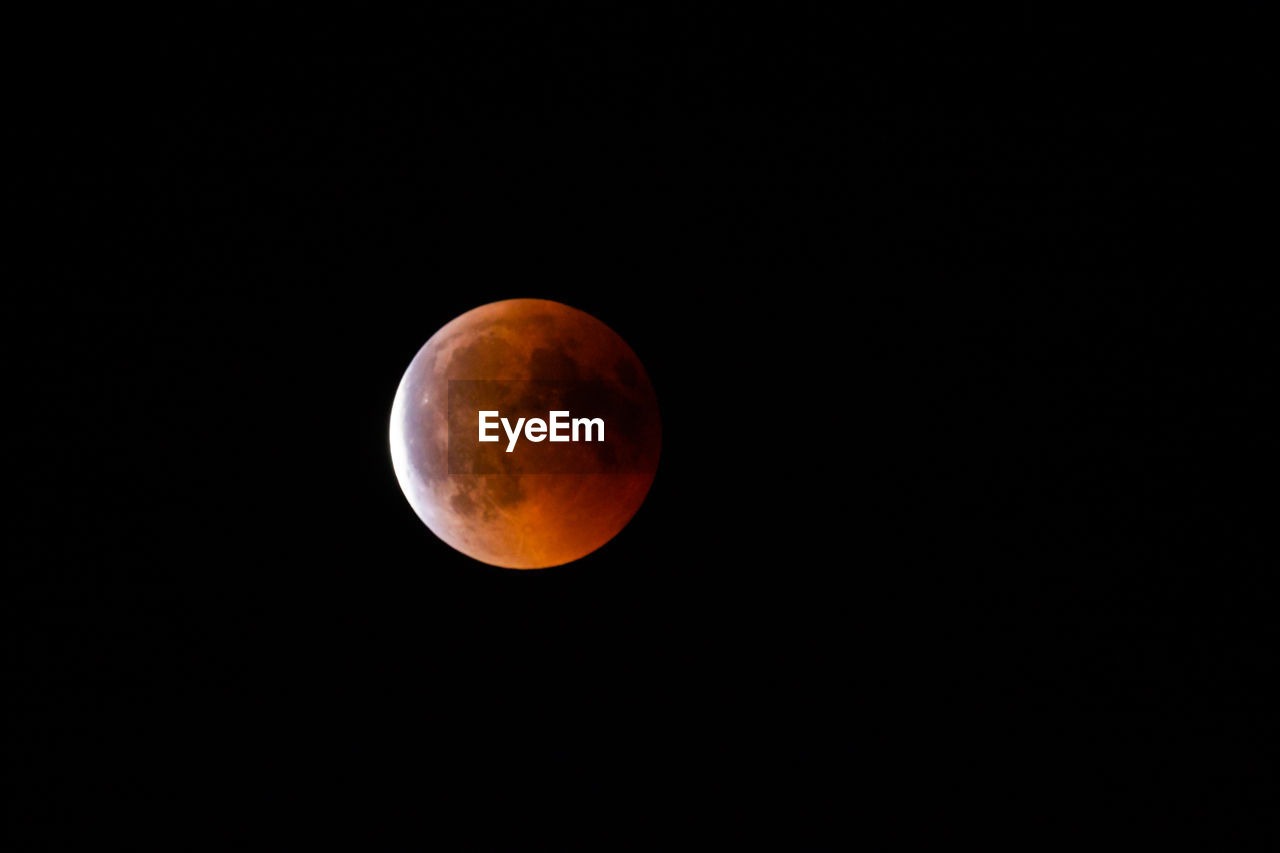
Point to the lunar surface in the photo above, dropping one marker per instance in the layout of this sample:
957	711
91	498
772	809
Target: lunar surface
542	504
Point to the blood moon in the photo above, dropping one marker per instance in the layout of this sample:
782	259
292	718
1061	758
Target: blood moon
514	511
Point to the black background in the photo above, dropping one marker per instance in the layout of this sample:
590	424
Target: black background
953	324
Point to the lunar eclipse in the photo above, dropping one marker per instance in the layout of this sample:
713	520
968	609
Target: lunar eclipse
544	504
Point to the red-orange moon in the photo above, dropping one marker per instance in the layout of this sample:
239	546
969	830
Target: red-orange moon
517	518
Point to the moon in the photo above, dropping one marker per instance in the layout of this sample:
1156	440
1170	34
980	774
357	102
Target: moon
542	505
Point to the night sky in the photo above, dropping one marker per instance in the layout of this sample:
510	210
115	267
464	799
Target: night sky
954	328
